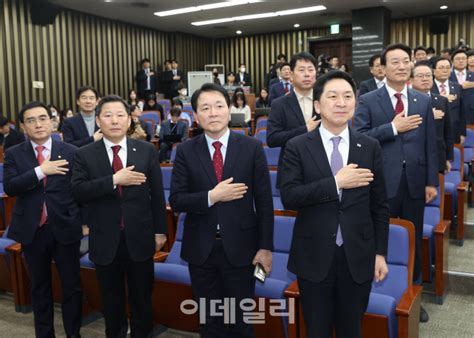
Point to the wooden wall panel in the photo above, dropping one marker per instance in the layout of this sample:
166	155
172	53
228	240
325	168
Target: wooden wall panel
258	52
415	31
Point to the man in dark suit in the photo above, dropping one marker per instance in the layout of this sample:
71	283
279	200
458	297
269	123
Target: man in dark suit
282	87
45	219
147	80
465	79
120	180
333	176
453	92
401	119
292	115
243	77
221	180
9	136
176	127
171	79
378	75
81	129
422	81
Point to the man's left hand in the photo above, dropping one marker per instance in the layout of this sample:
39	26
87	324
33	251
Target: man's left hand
430	194
264	257
381	269
160	240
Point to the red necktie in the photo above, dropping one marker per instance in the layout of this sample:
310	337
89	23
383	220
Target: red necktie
116	166
40	158
443	89
287	89
218	161
399	107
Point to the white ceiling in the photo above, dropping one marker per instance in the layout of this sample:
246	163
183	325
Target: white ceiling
140	12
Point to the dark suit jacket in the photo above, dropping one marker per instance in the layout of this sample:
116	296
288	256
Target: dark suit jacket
373	116
75	131
467	96
308	186
456	109
247	79
20	180
141	79
285	121
276	90
444	134
367	86
14	137
246	225
143	206
181	129
169	85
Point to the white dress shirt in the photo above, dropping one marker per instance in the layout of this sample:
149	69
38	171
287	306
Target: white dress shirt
343	147
379	83
306	105
446	86
122	152
391	94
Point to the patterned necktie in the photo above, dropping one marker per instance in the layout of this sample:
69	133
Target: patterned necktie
40	158
460	77
399	107
287	87
336	165
443	89
218	161
116	166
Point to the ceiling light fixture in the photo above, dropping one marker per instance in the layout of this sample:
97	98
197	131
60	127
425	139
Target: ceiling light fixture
204	7
238	32
296	25
261	15
443	7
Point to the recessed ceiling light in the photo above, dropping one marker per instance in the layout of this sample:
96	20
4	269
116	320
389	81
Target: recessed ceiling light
204	7
296	25
443	7
261	15
238	32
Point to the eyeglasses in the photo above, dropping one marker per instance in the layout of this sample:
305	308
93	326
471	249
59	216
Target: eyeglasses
444	68
31	121
423	76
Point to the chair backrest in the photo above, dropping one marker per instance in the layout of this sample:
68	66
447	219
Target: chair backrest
56	136
166	171
166	104
458	163
262	122
242	131
189	112
469	140
173	152
151	115
272	155
273	179
174	256
261	134
282	235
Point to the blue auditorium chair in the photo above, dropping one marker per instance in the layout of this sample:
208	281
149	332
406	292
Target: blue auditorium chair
151	116
272	155
166	106
241	131
434	244
277	204
261	122
261	134
5	268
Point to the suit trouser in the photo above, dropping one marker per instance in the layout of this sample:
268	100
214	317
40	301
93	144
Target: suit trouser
39	255
139	277
337	302
411	209
217	279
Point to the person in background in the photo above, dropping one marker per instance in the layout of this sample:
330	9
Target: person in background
146	80
215	77
240	106
63	115
183	115
152	105
420	54
139	130
230	85
133	99
243	77
378	74
262	99
55	118
430	52
334	62
174	126
344	67
446	53
470	60
8	135
183	94
284	85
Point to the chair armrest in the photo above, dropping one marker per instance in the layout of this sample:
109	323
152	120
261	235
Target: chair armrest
292	290
14	249
160	256
405	306
442	227
2	232
463	186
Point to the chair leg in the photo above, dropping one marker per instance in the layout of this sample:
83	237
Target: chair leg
441	233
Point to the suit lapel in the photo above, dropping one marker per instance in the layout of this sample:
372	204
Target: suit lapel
102	158
30	154
386	103
318	154
295	107
355	152
231	155
205	158
412	102
132	152
434	89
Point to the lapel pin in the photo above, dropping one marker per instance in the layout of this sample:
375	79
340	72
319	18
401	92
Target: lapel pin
59	156
358	144
414	99
134	149
436	97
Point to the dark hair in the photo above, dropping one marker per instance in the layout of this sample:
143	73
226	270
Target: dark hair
331	75
3	121
166	61
281	55
84	89
150	97
206	88
470	52
175	111
31	105
405	48
230	73
63	112
242	64
333	56
456	52
176	101
417	48
373	58
447	50
423	63
302	56
173	60
430	50
283	64
434	63
180	86
238	96
132	107
109	99
144	60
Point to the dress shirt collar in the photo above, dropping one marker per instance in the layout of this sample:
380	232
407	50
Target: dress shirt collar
48	144
378	82
326	135
439	83
224	139
301	97
392	92
122	144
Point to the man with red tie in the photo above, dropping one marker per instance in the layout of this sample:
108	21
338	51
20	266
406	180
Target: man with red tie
221	180
119	179
46	219
465	79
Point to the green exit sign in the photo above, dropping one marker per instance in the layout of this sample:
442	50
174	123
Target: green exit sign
335	29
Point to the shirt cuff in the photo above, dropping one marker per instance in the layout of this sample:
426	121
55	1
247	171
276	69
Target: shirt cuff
395	133
39	173
209	203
